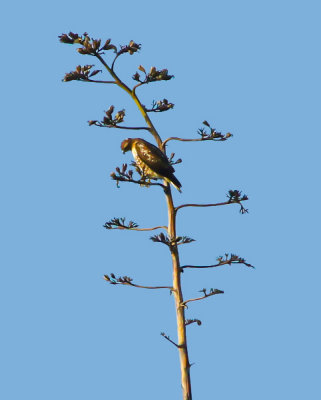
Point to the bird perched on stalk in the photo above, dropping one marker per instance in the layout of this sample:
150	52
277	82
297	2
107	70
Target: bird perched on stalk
151	161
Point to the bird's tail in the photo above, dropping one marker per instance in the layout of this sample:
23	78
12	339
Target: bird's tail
175	182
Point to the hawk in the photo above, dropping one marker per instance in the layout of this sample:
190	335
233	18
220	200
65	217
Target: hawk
152	162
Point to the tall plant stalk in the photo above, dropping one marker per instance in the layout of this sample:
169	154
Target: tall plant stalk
94	48
171	231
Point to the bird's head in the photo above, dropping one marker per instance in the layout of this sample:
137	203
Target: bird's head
126	145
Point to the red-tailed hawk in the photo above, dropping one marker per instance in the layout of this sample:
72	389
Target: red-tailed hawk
152	162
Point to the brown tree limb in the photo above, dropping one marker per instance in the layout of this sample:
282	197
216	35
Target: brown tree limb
144	229
149	287
212	293
206	205
120	223
193	321
205	135
113	63
169	339
236	260
184	140
160	106
126	280
132	128
137	86
119	178
94	81
216	265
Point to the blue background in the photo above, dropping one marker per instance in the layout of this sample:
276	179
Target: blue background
248	67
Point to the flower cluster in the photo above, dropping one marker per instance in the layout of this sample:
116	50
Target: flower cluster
131	48
171	159
161	238
123	174
160	106
232	259
89	46
235	196
124	280
212	134
109	121
211	292
153	75
119	223
81	73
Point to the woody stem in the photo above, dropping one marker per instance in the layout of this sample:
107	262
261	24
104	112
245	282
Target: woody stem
178	296
177	289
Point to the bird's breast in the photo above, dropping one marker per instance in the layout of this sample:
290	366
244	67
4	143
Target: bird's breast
145	170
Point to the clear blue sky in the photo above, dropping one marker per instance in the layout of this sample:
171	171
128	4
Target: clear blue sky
248	67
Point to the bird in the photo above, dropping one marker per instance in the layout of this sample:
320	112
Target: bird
151	161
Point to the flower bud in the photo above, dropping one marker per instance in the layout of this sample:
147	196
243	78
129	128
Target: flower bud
82	50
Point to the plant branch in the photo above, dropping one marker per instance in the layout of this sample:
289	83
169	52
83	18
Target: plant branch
233	259
234	197
119	223
204	135
212	292
184	140
136	86
92	80
192	321
169	339
113	63
132	128
160	106
224	203
146	229
131	48
190	140
112	73
161	238
126	280
113	121
141	182
125	175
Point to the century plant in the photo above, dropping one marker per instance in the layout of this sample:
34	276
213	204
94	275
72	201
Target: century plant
111	119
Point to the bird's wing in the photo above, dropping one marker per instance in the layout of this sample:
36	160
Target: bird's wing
153	157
